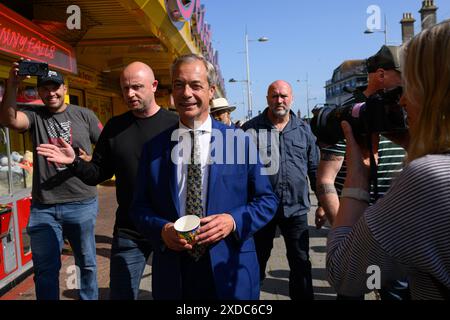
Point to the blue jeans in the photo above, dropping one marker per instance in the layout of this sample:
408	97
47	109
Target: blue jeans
46	227
127	264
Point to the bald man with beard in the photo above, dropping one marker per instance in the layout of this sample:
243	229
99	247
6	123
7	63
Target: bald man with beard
298	158
117	153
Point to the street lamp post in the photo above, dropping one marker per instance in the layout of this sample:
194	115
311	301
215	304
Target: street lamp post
309	99
370	31
233	80
247	59
307	95
249	95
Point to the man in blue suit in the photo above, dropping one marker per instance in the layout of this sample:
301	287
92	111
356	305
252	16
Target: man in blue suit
236	197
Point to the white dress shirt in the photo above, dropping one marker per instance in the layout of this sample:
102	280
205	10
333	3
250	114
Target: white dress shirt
183	159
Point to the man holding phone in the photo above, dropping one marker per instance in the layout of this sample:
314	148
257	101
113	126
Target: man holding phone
61	203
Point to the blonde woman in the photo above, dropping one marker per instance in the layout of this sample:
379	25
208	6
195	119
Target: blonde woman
405	234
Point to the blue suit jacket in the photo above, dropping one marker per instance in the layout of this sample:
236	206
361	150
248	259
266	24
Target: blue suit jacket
238	189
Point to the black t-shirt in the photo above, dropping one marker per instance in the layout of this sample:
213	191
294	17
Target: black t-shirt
117	153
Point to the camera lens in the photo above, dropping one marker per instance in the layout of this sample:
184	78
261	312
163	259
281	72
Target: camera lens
32	69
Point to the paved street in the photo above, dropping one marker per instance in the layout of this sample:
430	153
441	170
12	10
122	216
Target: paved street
275	286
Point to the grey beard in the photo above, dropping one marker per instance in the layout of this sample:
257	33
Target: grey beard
281	114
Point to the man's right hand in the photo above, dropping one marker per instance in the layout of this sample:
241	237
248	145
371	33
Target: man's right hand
63	154
9	115
14	78
320	218
171	239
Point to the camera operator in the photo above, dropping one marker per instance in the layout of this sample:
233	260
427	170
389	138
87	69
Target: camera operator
61	202
404	234
383	74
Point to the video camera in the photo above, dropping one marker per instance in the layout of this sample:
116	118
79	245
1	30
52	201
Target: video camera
381	113
32	68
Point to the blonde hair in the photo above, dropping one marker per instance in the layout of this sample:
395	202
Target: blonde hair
427	84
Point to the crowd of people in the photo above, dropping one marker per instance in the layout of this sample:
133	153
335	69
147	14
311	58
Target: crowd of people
164	168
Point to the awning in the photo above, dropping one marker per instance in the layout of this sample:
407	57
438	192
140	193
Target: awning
21	38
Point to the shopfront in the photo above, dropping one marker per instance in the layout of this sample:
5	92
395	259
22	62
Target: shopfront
20	38
86	91
130	30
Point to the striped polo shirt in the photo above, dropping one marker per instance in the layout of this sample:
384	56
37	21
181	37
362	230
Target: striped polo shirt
390	163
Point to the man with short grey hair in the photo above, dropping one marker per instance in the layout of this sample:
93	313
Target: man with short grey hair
233	200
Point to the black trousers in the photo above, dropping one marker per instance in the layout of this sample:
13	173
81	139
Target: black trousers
296	238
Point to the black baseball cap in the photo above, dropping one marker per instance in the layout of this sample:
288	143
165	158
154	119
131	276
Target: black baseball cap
51	77
388	58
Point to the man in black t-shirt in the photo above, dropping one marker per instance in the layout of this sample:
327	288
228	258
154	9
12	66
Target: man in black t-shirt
117	153
61	203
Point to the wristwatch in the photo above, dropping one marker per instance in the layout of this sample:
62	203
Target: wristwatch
356	193
75	162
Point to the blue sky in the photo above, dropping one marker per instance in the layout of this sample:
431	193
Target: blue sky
305	36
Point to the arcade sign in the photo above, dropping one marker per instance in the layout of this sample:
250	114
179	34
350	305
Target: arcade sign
181	10
21	38
191	11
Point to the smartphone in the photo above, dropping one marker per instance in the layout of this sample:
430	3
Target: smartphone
32	68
